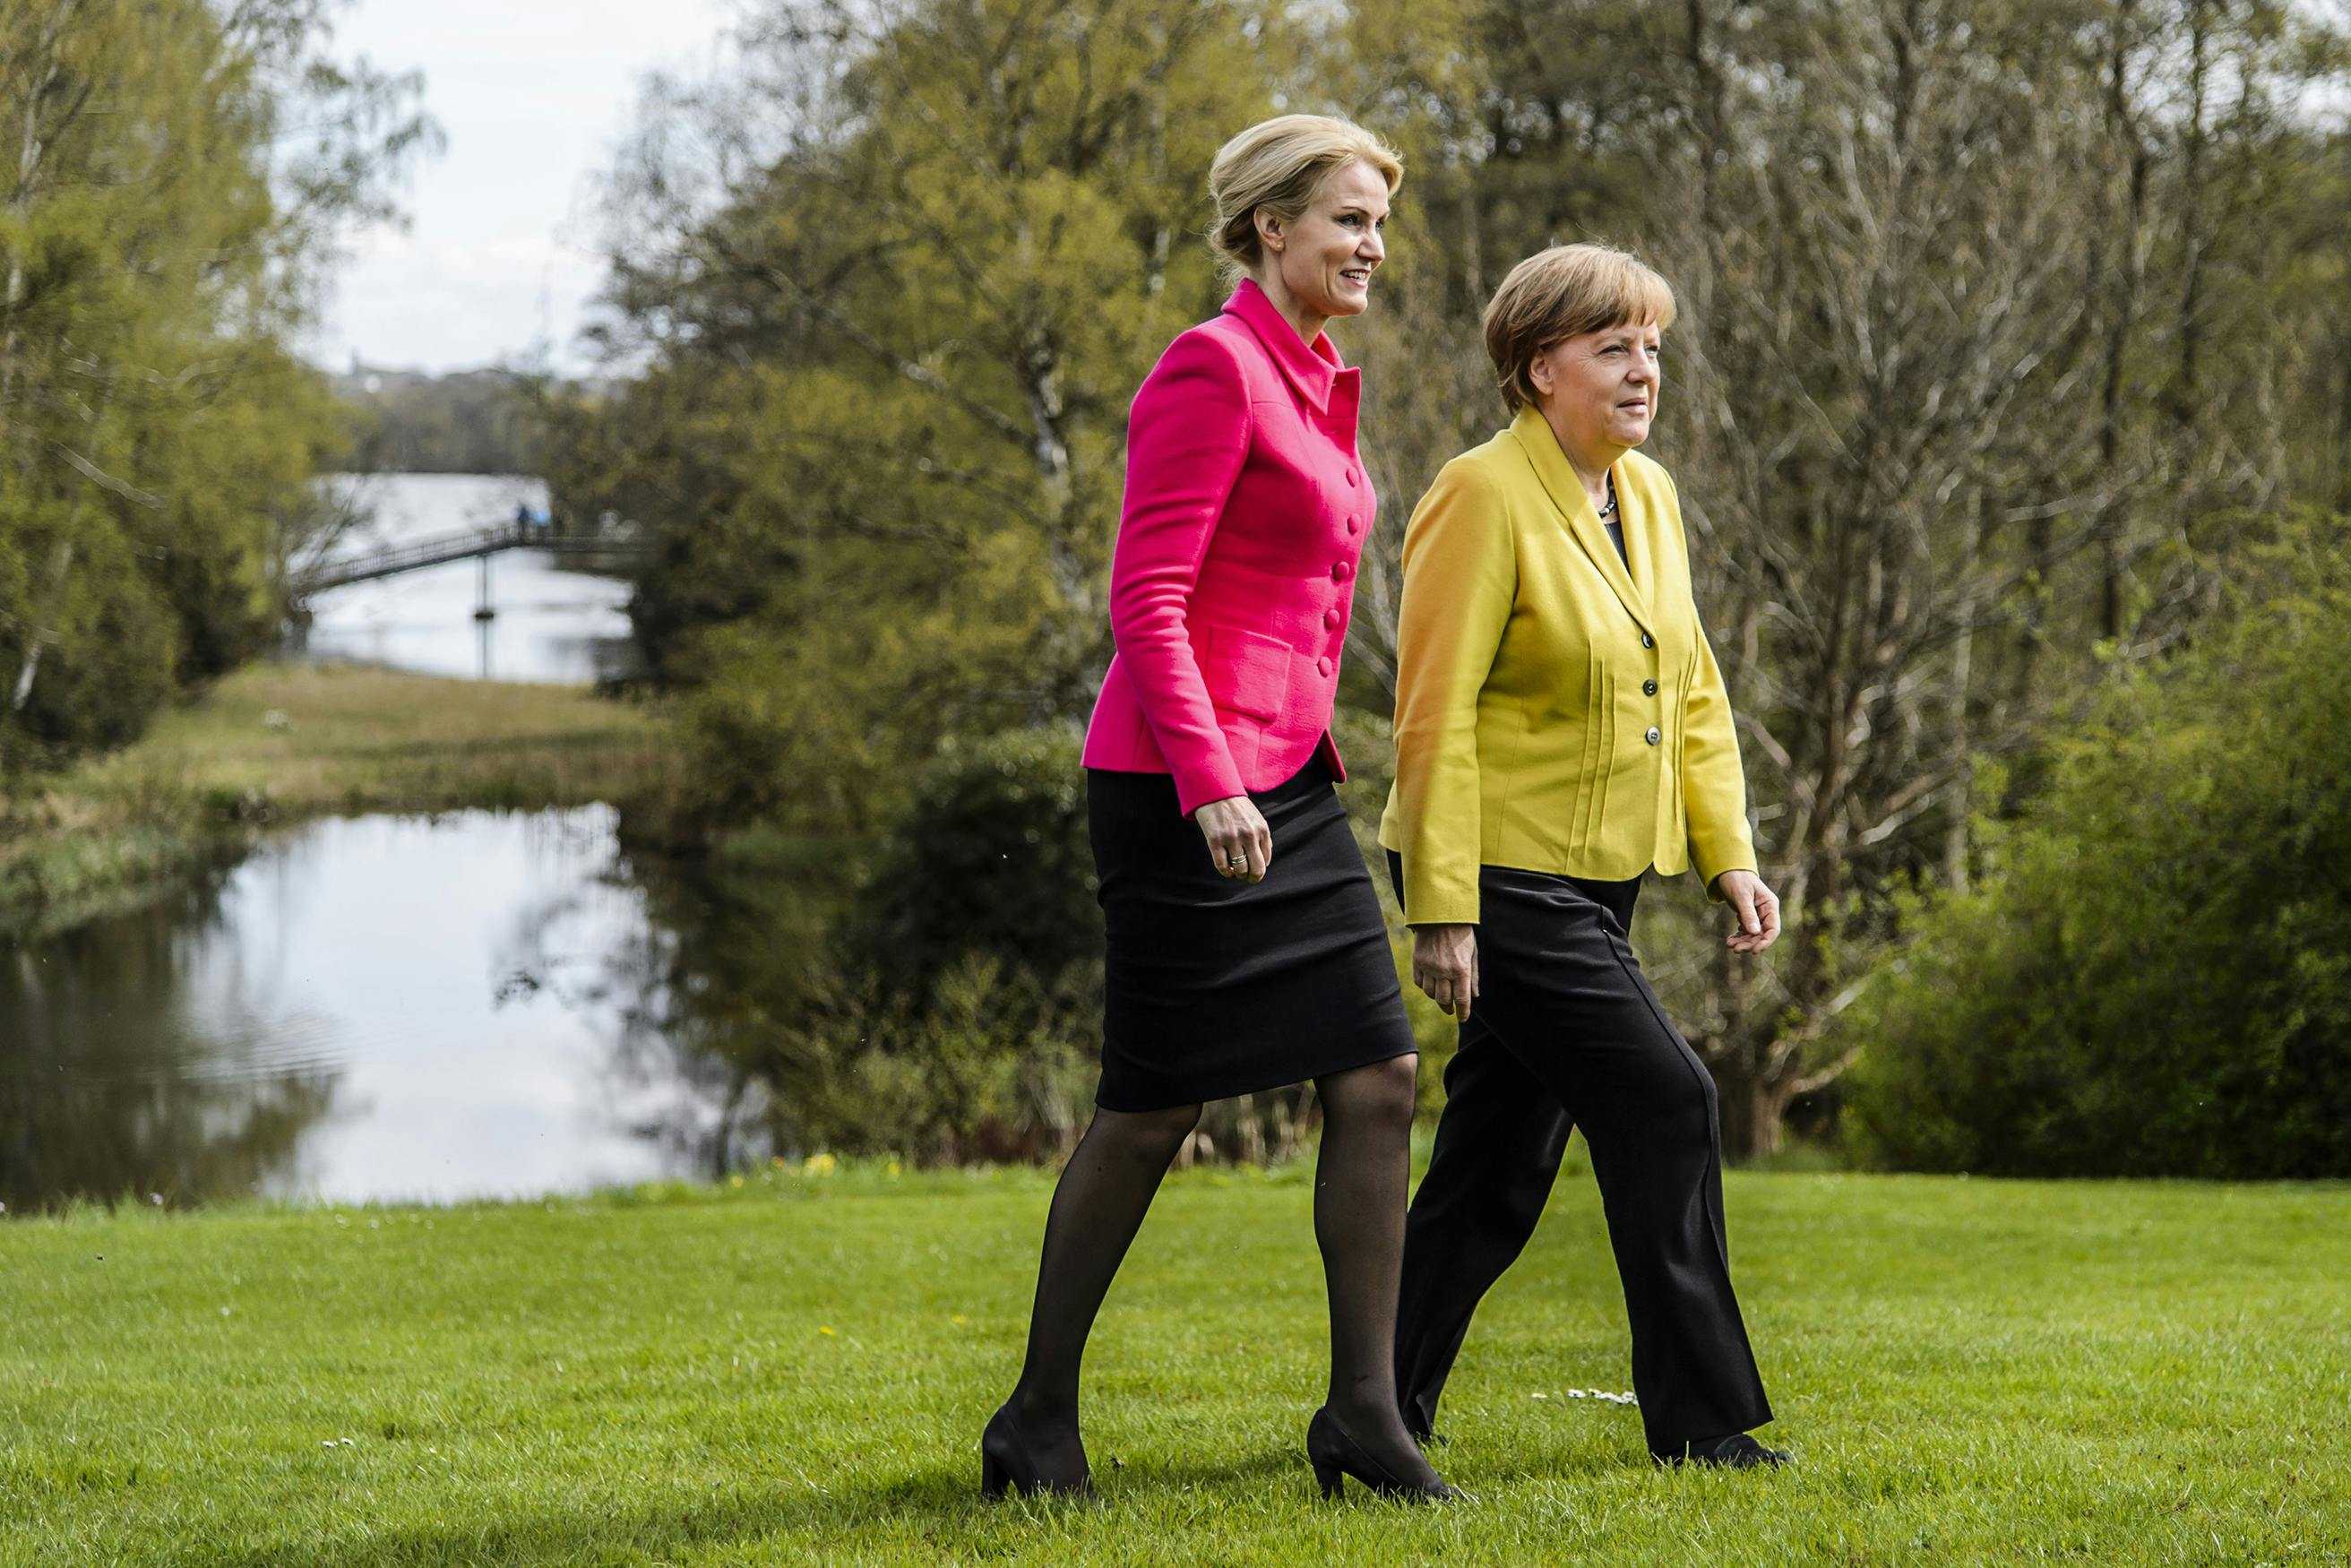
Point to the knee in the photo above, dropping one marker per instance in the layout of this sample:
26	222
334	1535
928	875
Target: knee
1152	1135
1384	1092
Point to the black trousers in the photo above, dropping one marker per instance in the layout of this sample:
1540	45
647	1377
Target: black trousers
1567	1032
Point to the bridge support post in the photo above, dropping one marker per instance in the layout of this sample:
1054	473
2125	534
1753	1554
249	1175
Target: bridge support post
482	609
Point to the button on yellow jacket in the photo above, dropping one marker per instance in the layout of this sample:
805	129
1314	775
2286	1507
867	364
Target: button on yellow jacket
1554	711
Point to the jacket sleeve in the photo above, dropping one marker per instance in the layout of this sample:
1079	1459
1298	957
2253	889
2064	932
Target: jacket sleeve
1460	580
1714	786
1186	439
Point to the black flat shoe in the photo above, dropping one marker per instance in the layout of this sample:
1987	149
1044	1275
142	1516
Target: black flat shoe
1005	1463
1736	1452
1333	1454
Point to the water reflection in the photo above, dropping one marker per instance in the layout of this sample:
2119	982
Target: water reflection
125	1070
370	1007
706	992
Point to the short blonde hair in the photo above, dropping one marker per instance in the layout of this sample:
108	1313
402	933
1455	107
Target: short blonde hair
1278	164
1559	293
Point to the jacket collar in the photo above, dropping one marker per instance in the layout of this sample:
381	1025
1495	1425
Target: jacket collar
1534	436
1315	371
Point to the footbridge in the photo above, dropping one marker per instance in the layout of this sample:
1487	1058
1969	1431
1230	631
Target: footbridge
473	544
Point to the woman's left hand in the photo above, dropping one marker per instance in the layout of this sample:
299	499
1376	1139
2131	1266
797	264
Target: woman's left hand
1758	908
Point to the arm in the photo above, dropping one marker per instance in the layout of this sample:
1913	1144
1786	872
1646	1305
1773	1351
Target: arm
1714	786
1460	580
1186	439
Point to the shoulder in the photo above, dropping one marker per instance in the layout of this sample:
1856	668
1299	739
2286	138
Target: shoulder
1218	346
1651	475
1203	362
1491	472
1469	505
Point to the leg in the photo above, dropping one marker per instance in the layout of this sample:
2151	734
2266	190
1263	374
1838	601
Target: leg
1098	1205
1498	1145
1659	1168
1359	1181
1564	992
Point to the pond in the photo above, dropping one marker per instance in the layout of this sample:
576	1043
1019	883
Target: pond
385	1008
366	1007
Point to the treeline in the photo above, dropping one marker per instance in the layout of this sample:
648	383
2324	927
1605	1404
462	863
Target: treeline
2008	333
467	421
173	174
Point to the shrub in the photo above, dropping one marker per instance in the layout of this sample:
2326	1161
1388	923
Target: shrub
2154	977
990	860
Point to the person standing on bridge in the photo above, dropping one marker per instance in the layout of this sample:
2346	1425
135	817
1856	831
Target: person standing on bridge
1246	949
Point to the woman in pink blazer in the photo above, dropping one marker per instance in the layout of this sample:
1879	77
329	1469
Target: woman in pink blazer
1246	949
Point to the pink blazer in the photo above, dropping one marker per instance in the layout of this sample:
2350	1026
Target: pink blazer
1246	512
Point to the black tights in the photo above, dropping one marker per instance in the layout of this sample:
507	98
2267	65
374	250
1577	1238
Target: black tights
1359	1181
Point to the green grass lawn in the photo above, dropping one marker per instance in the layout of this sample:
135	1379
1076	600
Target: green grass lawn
796	1371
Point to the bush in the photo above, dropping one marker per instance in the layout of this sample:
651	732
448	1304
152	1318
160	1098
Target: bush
958	1013
2154	977
990	860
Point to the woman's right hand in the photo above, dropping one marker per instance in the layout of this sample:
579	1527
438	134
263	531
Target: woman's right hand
1445	965
1239	842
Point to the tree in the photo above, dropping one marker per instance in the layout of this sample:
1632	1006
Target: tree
895	280
1938	407
1953	432
166	218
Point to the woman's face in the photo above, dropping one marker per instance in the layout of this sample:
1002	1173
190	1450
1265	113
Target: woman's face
1325	255
1600	389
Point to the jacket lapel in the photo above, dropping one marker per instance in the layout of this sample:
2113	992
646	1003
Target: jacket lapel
1567	493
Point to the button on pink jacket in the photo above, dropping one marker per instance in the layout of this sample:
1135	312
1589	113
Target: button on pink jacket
1234	568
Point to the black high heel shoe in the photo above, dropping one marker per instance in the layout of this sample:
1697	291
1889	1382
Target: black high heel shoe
1333	1454
1004	1462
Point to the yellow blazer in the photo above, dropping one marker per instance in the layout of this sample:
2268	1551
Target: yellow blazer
1554	711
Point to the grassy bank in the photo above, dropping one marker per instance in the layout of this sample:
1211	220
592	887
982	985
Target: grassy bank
279	742
796	1371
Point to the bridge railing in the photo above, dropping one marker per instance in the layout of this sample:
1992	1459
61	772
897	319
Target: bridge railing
443	548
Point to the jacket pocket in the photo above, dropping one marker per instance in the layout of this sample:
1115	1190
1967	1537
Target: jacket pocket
1246	672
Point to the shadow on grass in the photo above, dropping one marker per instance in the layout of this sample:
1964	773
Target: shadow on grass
923	1505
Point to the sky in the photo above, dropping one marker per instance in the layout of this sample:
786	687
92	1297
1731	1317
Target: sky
534	97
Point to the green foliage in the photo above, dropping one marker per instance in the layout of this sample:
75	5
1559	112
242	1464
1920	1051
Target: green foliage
990	861
2155	976
991	1062
163	216
947	1002
880	446
469	422
964	1018
895	280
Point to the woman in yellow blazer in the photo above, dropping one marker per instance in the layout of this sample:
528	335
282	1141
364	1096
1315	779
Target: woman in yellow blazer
1562	729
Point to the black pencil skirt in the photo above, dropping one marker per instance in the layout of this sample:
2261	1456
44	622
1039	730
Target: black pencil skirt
1217	987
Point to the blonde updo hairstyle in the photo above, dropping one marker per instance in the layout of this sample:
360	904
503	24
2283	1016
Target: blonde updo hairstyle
1562	293
1277	165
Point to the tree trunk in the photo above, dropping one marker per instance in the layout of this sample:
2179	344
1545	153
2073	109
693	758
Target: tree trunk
1754	1112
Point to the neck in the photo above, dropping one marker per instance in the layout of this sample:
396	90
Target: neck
1590	459
1305	322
